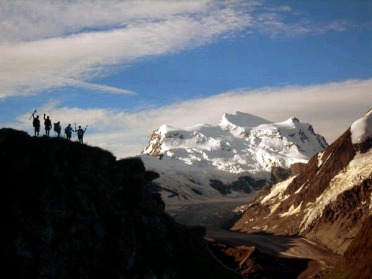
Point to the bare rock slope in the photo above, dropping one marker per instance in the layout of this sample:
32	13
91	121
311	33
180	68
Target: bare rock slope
328	201
357	260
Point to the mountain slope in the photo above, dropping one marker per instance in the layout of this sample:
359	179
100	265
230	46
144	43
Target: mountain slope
235	156
327	201
68	210
357	260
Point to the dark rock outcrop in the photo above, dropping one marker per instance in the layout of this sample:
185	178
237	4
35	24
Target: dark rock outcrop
250	262
68	210
244	184
279	174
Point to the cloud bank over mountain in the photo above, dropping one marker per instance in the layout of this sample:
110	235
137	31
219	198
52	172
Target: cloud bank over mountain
330	108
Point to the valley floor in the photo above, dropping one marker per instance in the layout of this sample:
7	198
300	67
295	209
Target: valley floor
217	216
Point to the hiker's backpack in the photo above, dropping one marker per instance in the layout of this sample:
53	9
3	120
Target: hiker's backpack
57	127
36	122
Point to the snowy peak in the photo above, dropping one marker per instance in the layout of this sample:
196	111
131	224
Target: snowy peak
240	119
167	138
240	143
361	130
301	134
232	158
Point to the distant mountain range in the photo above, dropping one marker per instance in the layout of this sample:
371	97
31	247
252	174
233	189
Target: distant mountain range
233	158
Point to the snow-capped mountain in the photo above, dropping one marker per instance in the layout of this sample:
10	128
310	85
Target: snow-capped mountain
235	156
328	201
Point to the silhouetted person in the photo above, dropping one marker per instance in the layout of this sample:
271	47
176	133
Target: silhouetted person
36	124
68	131
48	125
57	128
80	133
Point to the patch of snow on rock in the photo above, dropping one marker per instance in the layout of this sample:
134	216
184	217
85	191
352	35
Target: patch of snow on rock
362	129
320	158
277	190
292	210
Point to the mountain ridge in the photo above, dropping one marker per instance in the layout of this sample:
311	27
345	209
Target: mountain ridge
327	202
240	146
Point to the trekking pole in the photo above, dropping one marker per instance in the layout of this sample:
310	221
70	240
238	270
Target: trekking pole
32	115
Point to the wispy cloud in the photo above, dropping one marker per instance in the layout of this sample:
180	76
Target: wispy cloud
46	44
281	21
45	58
100	87
24	20
331	108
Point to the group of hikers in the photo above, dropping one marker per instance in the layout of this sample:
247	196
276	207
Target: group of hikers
57	128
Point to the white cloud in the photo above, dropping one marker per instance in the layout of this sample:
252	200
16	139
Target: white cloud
331	108
42	58
30	20
47	44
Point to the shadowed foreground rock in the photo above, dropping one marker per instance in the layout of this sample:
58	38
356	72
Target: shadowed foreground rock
72	211
250	262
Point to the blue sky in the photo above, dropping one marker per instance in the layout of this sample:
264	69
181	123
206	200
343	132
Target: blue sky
126	67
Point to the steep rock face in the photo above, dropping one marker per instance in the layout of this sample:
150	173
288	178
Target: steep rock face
72	211
241	145
325	202
357	260
342	218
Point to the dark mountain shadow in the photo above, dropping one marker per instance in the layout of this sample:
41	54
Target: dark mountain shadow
68	210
